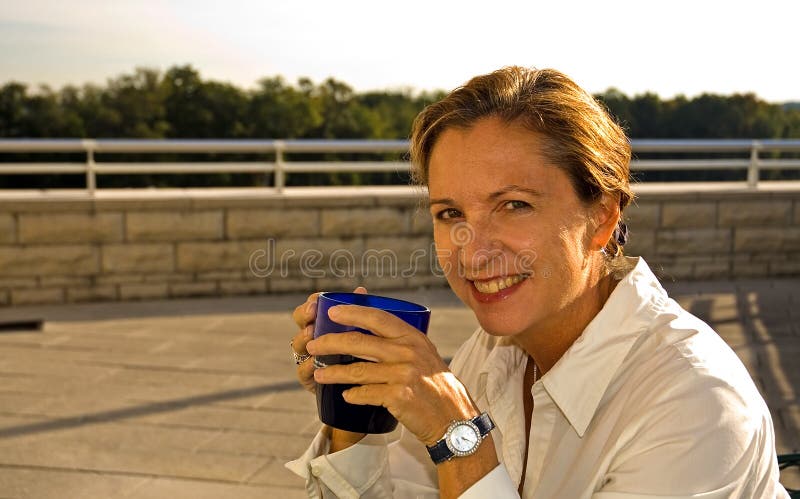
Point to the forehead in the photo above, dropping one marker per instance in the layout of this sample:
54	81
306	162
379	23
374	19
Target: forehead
487	156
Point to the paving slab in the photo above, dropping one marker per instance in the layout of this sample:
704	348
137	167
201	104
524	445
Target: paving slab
197	398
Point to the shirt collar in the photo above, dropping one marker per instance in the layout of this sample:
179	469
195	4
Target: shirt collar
504	361
580	378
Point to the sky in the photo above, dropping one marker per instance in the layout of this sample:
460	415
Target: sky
667	47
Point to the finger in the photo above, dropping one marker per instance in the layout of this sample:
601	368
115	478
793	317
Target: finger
357	344
389	396
306	312
305	373
302	337
361	373
361	290
378	321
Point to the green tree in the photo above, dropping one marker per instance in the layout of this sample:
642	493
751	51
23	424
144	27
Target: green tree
277	110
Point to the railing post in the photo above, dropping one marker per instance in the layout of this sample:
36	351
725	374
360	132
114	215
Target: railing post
280	178
91	180
752	170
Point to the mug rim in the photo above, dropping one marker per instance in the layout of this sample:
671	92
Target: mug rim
329	295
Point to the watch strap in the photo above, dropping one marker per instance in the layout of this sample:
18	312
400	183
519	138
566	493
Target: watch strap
440	452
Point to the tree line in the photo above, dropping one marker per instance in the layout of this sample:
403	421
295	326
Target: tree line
179	103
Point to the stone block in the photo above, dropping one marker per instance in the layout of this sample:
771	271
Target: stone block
274	223
712	270
426	281
382	283
64	281
5	297
37	296
70	227
785	268
8	228
765	239
689	215
397	255
251	287
345	284
174	226
754	213
314	258
643	215
70	260
118	278
278	284
106	292
671	272
161	277
769	257
221	275
139	291
641	242
141	257
692	241
18	282
797	212
421	222
364	221
193	289
223	255
751	269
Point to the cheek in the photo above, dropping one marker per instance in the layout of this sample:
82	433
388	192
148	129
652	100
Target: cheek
446	251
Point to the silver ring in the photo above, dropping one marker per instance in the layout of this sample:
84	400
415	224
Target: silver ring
299	358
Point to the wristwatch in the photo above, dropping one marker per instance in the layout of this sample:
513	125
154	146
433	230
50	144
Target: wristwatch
462	438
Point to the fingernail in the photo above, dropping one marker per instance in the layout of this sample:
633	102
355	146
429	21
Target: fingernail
310	347
333	311
318	373
309	332
310	307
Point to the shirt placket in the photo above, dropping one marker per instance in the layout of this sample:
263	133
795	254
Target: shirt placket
542	425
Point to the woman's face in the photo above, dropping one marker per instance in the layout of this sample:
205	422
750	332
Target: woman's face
511	234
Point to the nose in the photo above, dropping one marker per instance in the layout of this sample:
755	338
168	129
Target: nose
479	249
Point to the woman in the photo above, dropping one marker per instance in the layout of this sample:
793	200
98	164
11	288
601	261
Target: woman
597	384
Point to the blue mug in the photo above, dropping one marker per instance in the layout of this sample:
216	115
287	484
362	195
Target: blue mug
332	408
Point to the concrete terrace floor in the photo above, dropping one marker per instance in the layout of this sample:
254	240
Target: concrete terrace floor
197	398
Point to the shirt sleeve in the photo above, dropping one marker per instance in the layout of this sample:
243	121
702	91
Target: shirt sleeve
497	483
360	470
374	469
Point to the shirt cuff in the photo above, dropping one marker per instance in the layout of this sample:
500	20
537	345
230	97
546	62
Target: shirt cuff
496	483
346	473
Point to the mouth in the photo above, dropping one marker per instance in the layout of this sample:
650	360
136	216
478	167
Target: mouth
497	284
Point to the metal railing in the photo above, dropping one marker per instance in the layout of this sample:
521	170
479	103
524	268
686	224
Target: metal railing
752	161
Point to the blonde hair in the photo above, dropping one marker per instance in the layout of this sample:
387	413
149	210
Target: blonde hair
580	136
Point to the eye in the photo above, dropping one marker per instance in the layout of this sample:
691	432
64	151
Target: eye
448	214
516	205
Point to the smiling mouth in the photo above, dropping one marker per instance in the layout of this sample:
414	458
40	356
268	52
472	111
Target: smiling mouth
491	286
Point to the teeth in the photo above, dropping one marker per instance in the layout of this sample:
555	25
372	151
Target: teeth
495	285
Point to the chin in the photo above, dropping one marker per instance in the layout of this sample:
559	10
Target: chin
500	328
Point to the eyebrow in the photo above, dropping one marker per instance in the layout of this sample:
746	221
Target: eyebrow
505	190
515	188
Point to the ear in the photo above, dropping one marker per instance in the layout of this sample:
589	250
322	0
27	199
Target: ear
605	217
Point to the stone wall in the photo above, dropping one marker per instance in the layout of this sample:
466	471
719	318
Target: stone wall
72	248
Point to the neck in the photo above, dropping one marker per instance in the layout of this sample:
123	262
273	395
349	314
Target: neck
548	342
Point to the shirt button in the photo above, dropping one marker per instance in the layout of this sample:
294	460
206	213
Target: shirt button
315	471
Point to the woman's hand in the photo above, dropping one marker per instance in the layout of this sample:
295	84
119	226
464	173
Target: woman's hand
409	378
304	316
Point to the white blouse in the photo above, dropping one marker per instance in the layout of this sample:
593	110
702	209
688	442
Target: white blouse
648	402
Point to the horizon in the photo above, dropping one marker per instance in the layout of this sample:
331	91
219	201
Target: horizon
696	48
33	88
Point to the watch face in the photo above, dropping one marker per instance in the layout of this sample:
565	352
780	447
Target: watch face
463	438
